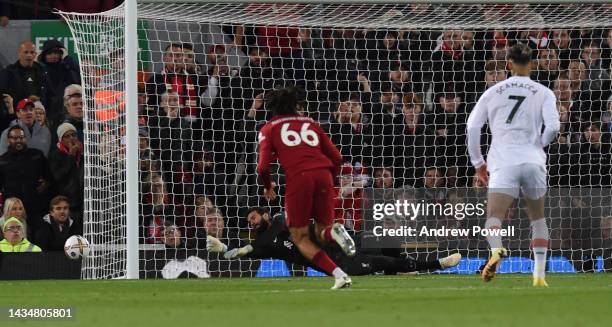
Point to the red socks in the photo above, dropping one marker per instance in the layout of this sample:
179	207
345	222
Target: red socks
322	260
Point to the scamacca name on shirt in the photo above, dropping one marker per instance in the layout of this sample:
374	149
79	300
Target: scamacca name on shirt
443	231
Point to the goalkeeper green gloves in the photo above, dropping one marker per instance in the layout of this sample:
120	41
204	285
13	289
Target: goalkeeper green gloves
238	252
214	245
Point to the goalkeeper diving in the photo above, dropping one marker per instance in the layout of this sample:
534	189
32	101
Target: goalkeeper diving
273	240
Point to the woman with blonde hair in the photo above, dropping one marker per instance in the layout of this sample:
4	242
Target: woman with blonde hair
13	207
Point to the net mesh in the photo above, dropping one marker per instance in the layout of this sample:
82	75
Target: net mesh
392	84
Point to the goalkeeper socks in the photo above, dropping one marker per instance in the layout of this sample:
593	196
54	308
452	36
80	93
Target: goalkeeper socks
326	233
322	260
491	224
539	244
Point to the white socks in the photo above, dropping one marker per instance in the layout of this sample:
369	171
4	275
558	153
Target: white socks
339	273
494	240
539	245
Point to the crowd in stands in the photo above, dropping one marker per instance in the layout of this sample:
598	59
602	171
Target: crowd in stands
395	102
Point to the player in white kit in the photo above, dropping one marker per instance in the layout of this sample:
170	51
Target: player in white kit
515	110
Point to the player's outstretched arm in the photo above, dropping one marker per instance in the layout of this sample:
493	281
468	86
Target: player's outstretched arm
213	244
238	252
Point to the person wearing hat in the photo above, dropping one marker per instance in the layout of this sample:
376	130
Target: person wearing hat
37	136
14	238
66	163
62	71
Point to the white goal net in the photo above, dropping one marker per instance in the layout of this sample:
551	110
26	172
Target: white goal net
392	84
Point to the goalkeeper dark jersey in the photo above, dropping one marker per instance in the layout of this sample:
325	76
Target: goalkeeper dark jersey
275	242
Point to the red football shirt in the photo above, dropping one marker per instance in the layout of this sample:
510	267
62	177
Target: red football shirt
299	143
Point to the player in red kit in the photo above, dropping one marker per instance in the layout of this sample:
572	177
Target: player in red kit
311	163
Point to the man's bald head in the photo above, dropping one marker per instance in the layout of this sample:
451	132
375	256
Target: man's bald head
27	53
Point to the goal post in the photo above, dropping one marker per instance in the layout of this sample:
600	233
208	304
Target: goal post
161	139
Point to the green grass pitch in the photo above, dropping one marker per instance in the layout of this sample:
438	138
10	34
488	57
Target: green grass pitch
423	300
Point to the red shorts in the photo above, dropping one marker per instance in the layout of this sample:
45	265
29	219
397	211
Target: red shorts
310	194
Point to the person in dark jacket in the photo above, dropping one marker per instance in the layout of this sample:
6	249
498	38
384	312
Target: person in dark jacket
66	163
61	71
57	225
24	173
26	77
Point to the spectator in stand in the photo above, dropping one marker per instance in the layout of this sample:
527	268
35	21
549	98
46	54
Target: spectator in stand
547	67
67	167
594	167
385	108
208	177
172	237
73	102
253	80
62	71
577	75
449	121
566	48
13	207
569	108
499	46
494	72
400	79
598	79
26	77
58	226
383	178
204	203
24	173
433	182
449	64
7	111
170	134
338	69
40	113
37	136
15	239
348	203
156	208
606	51
147	158
559	152
385	53
191	66
409	141
191	88
350	131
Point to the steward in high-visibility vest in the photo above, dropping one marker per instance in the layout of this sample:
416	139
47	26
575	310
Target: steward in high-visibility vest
14	239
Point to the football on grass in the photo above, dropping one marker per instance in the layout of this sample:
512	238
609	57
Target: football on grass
77	247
